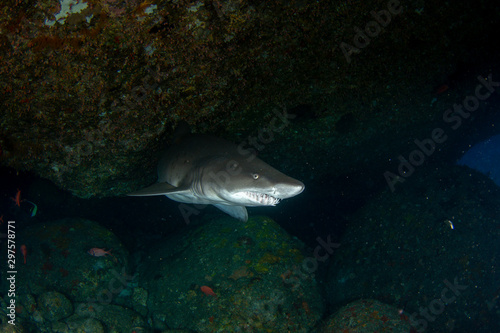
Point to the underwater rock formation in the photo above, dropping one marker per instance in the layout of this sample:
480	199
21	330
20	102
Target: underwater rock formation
62	286
224	276
427	250
54	306
366	315
58	251
90	89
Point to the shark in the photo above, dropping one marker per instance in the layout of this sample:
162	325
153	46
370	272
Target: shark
202	169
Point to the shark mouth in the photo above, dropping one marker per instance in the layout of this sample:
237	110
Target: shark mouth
262	198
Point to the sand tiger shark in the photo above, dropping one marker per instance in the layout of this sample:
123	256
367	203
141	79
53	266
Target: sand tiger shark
203	169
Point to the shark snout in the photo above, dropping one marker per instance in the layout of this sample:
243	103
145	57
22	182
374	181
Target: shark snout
289	189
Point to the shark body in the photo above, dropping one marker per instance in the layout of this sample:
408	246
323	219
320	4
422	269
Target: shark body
203	169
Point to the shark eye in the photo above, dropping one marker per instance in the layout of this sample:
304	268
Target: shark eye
255	175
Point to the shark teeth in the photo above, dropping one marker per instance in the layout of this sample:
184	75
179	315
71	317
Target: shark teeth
262	198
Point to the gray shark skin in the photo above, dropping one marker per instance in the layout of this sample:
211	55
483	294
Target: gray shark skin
203	169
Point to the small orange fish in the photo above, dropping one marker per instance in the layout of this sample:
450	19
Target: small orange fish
208	291
17	198
97	252
24	252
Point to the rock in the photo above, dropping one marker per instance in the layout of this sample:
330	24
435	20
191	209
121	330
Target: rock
26	305
89	131
263	295
84	325
114	317
54	306
8	328
57	251
60	327
426	248
366	316
140	298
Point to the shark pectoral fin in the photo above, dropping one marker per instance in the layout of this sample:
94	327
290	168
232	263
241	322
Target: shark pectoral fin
157	189
238	212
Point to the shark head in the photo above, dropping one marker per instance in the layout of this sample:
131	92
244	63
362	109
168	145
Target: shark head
202	169
238	181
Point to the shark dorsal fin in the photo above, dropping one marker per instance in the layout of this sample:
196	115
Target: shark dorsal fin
157	189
